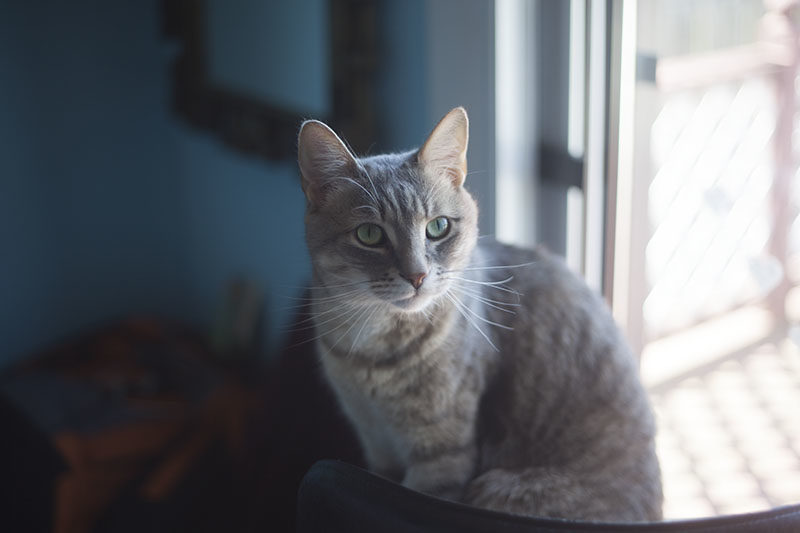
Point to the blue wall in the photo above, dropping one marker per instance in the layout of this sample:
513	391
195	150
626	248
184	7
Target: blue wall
401	78
296	80
110	206
245	218
88	188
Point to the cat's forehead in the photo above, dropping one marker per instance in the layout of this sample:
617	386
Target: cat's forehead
388	168
398	187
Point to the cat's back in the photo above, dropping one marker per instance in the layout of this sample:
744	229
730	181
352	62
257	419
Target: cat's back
567	386
551	300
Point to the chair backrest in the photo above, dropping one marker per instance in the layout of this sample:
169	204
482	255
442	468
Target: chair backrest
336	497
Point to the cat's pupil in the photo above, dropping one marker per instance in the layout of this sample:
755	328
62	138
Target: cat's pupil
369	234
437	228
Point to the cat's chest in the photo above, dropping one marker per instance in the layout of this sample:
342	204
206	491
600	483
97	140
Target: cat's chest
380	375
393	389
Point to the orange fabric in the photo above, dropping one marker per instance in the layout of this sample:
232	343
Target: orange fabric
158	451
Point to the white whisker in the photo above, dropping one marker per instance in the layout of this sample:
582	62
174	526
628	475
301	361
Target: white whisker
315	318
493	284
372	184
494	267
479	292
337	286
374	198
375	307
315	287
469	319
354	320
327	298
371	208
479	317
329	331
495	304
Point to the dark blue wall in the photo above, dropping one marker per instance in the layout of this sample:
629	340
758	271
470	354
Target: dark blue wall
110	206
401	78
89	176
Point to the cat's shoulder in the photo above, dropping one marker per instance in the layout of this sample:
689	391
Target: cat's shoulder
535	267
538	259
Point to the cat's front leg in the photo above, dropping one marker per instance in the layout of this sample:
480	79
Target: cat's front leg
439	434
381	459
443	473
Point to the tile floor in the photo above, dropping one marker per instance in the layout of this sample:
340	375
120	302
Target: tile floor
729	432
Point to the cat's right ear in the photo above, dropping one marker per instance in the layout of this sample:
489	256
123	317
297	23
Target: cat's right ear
322	157
444	154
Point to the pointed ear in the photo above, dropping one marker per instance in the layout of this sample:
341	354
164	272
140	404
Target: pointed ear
445	151
322	156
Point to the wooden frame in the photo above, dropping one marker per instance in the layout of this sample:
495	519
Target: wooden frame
260	128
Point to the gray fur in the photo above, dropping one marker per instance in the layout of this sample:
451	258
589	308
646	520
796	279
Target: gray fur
503	382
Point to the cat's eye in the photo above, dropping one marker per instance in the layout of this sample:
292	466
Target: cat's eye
369	234
437	228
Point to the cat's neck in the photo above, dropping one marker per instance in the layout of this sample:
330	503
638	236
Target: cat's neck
384	332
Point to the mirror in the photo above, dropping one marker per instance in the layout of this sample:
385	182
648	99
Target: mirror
251	71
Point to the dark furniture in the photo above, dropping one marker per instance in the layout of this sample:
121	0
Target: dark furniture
133	426
336	497
137	425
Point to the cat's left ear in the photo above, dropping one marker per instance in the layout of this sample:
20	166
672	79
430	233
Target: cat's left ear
445	151
322	157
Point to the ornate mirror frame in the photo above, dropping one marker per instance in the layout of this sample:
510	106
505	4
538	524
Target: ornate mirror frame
260	128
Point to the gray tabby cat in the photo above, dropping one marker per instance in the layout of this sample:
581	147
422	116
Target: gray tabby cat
476	372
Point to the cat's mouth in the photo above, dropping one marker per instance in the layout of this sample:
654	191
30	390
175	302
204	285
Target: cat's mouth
415	302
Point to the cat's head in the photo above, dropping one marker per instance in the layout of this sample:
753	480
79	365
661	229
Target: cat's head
389	228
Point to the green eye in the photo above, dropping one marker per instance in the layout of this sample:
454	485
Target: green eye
369	234
437	228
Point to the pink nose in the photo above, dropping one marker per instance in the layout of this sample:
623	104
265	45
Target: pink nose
416	279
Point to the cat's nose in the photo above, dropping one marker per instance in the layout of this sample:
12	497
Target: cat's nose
416	279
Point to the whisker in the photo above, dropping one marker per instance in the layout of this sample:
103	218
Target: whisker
354	320
337	286
469	319
378	213
313	287
307	303
327	298
495	304
317	316
494	267
479	317
372	183
474	172
329	331
357	184
493	284
375	307
477	291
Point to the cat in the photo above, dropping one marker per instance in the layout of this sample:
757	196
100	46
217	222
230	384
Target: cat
471	370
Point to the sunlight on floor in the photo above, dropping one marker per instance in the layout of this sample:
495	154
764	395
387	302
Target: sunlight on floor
729	428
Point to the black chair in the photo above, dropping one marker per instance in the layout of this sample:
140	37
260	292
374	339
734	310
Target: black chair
336	497
29	466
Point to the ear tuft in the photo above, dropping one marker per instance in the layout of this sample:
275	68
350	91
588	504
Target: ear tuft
322	156
445	151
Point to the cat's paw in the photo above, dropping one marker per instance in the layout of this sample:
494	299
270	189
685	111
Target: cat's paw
491	490
453	491
427	482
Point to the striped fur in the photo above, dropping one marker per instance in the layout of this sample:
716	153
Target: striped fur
502	380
